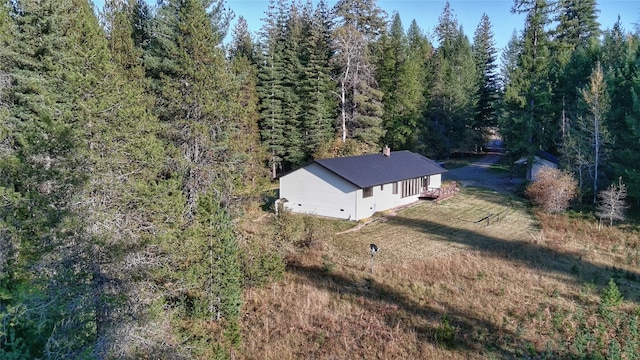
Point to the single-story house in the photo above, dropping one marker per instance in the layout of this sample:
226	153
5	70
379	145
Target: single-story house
541	159
356	187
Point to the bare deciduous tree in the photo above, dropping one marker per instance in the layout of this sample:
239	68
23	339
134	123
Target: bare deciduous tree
612	202
597	102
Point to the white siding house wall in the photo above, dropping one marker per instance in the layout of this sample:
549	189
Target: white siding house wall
383	199
538	164
435	181
316	190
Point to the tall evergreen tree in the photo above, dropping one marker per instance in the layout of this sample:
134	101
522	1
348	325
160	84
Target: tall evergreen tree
57	59
625	157
575	36
452	89
530	126
271	85
210	280
509	59
577	23
401	77
246	139
365	16
485	54
620	54
392	56
120	18
419	57
186	65
141	21
575	145
291	83
242	44
318	88
360	23
95	198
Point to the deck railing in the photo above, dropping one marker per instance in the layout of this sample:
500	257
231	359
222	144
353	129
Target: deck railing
443	192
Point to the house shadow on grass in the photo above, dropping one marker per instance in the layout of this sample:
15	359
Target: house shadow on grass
531	255
460	326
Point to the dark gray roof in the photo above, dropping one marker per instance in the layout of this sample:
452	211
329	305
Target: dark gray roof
377	169
547	156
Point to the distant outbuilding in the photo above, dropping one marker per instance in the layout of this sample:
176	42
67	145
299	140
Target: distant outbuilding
540	160
356	187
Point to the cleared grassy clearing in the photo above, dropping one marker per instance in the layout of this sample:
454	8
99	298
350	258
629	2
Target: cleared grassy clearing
447	286
429	229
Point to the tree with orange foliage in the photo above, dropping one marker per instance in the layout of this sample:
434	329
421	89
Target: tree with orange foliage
552	190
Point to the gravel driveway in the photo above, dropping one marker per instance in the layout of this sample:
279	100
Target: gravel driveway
478	174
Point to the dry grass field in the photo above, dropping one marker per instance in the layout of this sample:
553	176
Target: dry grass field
448	284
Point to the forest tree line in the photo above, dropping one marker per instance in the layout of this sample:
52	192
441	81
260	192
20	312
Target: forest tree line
133	141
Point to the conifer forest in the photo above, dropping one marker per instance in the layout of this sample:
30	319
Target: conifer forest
134	141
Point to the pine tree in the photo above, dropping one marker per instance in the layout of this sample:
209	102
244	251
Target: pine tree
401	79
318	88
120	17
271	86
574	38
242	43
420	54
452	89
202	124
246	139
577	23
95	198
619	58
576	146
211	280
13	272
365	16
141	21
509	59
392	46
527	98
447	27
626	151
485	59
185	64
360	23
291	86
56	59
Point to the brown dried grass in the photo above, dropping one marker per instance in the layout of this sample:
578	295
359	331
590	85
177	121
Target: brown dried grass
500	286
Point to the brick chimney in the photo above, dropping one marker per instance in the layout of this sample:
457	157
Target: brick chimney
386	151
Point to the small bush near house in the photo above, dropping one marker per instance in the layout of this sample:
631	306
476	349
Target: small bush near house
552	190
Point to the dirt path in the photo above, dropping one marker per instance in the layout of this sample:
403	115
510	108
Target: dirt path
479	174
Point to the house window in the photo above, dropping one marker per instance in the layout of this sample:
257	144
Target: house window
367	192
395	188
411	187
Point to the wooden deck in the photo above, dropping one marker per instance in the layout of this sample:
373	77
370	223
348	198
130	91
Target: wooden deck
441	193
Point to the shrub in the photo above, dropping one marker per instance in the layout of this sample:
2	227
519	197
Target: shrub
611	296
261	263
445	333
552	190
